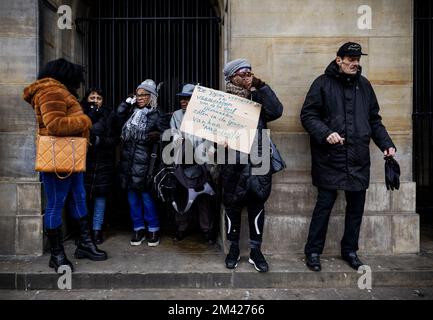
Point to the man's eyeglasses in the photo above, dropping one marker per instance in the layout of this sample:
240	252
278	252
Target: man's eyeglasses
143	95
243	74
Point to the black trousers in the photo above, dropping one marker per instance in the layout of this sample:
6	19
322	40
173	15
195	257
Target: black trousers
319	223
256	218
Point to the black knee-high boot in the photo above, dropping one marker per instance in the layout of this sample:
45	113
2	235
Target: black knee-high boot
58	257
85	246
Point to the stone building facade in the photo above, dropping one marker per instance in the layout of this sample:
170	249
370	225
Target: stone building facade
289	43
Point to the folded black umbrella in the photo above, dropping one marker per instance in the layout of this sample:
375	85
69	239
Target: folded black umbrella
392	174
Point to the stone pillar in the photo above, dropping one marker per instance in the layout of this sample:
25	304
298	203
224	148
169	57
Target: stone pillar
27	40
289	44
20	205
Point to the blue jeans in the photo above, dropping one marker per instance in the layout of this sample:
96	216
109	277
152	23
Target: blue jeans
98	213
56	191
143	210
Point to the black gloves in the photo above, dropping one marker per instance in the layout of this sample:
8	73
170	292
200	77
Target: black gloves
392	174
257	83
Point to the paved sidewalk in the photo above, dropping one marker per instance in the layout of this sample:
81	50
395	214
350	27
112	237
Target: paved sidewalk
191	269
391	293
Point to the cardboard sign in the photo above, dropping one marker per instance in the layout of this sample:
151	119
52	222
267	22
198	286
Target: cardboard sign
222	117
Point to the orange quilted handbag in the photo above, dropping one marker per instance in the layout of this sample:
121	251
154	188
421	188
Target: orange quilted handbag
61	155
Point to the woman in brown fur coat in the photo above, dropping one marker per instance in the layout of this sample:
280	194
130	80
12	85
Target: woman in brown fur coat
54	98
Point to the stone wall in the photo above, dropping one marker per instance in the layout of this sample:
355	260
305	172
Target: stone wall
29	37
20	209
290	43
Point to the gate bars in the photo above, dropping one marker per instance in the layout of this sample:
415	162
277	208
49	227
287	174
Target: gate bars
128	41
422	104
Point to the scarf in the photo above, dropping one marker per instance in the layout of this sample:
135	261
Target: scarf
135	127
238	91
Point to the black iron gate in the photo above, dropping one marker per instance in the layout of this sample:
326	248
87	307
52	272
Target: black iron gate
169	41
423	105
128	41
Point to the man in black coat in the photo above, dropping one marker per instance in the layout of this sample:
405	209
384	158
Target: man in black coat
341	114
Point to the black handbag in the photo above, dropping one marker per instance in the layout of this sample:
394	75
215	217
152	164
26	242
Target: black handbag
277	162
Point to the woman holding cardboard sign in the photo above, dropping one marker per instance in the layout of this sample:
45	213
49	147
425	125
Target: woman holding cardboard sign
240	187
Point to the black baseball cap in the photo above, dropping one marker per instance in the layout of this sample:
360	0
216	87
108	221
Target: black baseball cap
351	49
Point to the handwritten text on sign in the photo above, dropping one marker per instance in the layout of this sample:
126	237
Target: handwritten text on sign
218	116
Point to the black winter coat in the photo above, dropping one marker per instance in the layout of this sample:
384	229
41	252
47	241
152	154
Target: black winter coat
347	105
237	179
100	162
136	154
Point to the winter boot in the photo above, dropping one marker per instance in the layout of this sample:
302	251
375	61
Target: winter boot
85	246
58	257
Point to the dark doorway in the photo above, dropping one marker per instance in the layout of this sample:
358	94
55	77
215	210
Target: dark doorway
423	110
174	42
128	41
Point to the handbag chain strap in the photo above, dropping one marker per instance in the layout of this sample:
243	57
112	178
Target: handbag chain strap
53	142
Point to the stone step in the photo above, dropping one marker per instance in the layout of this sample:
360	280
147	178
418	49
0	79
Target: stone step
300	198
190	264
388	233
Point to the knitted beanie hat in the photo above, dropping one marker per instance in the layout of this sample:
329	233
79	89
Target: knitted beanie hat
232	66
149	85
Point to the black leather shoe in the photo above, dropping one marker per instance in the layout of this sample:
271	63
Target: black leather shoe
258	260
97	237
233	257
352	259
85	246
313	262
